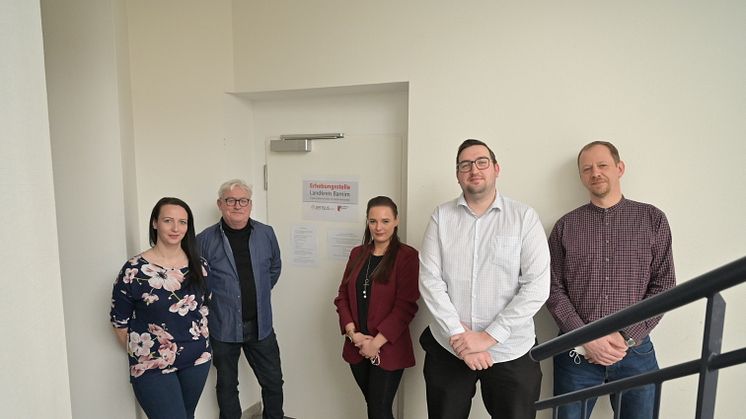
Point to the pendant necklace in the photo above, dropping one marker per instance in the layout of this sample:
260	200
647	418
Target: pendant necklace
366	283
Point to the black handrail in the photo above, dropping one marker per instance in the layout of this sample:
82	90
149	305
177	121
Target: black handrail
706	286
677	371
700	287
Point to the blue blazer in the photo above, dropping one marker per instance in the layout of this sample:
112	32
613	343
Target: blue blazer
226	324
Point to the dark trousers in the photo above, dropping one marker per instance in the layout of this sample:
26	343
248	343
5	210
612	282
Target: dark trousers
378	386
264	358
509	389
171	396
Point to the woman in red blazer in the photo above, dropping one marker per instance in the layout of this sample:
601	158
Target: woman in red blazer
377	300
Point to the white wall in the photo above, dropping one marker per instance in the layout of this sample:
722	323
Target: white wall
664	81
181	61
34	369
189	135
92	151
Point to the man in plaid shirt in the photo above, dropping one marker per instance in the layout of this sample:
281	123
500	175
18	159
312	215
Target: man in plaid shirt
605	256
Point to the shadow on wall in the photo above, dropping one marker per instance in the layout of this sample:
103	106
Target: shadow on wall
564	190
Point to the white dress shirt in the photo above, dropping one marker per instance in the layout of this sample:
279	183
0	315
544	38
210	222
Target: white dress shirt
490	273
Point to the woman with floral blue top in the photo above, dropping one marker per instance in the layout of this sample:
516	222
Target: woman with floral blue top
159	314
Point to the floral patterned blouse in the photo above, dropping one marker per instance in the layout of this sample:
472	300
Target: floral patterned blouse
166	324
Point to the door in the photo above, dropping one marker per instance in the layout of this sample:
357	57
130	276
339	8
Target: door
318	383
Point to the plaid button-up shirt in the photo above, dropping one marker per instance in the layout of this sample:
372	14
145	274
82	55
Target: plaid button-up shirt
606	259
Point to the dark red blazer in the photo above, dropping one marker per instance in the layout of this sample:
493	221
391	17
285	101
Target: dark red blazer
391	308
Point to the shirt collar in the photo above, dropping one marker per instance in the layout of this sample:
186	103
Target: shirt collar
612	209
496	204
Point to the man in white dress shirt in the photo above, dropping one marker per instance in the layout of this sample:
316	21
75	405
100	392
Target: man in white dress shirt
484	273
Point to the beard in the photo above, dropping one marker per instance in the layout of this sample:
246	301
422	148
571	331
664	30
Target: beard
600	190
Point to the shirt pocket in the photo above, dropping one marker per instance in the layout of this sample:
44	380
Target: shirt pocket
505	255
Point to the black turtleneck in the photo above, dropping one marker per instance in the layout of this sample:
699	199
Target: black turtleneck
239	241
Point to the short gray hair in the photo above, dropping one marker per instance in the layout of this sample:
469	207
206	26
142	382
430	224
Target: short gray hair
234	183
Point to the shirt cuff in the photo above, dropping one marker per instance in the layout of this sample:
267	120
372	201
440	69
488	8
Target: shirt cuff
637	332
457	330
572	324
499	333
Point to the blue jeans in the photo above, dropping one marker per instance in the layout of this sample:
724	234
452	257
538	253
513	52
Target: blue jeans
264	359
636	403
171	396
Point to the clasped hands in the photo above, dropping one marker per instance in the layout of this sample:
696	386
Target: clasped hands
606	350
367	347
472	348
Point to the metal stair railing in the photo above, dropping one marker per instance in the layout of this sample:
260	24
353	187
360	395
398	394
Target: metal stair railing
706	286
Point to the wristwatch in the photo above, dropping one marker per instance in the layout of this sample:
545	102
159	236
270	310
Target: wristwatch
627	339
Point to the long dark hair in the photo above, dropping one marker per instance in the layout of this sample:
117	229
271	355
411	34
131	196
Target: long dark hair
386	265
188	243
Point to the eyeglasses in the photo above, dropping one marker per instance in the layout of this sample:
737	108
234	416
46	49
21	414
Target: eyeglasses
481	163
242	202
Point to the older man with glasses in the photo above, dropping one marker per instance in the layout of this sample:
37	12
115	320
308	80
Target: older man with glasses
244	260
